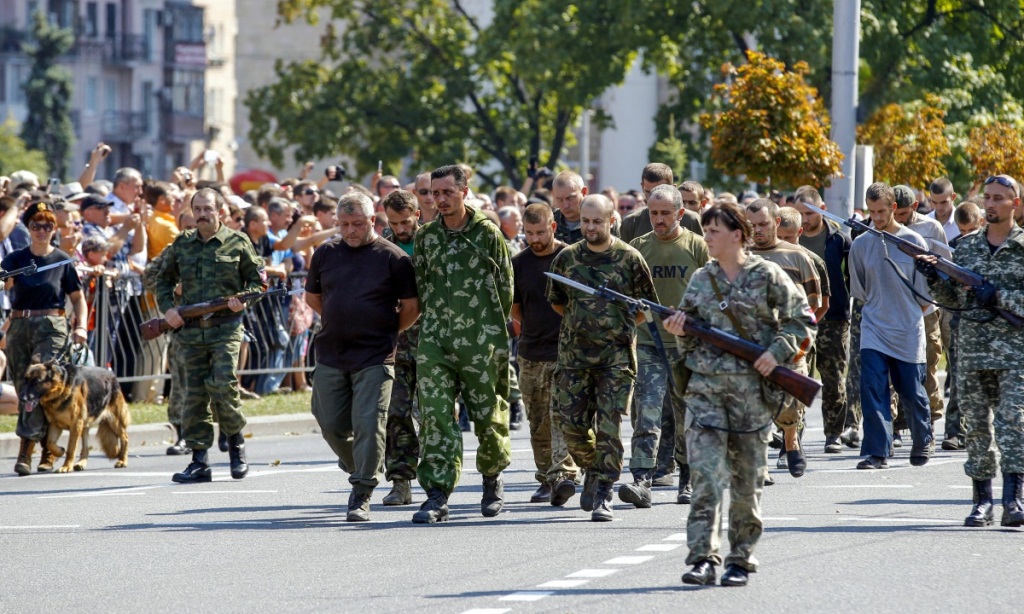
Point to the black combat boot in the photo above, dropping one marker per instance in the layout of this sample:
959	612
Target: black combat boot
222	441
236	453
197	471
563	490
515	420
434	509
1013	506
23	466
735	576
543	493
702	574
401	493
494	496
982	513
359	504
639	492
180	448
589	488
685	493
602	496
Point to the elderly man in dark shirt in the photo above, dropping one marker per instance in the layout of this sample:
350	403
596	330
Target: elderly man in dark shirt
364	288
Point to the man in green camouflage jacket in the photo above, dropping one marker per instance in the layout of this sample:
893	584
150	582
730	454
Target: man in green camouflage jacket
596	366
990	378
464	277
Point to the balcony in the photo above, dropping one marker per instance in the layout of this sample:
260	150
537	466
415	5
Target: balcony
183	127
126	49
124	126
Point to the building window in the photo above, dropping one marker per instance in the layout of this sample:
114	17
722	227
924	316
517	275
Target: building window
18	77
92	20
92	87
188	92
110	95
3	82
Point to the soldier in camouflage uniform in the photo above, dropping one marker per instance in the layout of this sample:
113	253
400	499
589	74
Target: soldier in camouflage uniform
402	446
728	421
464	275
990	379
211	262
596	363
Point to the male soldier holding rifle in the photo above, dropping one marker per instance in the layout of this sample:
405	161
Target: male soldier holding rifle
989	375
210	262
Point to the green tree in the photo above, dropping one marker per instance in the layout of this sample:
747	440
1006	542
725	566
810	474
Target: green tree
771	126
425	78
15	156
48	95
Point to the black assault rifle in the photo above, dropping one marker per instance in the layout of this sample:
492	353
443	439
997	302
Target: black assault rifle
946	268
795	384
32	269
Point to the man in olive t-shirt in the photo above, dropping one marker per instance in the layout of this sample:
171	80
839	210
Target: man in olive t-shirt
672	254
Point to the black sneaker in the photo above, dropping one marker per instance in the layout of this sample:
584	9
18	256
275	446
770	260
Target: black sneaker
833	446
873	462
434	509
850	438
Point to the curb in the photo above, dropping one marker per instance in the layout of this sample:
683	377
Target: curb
160	434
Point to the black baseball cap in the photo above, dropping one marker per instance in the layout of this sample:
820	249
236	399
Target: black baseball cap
93	200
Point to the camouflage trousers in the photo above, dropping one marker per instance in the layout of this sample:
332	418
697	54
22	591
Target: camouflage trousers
550	454
646	409
403	446
210	384
720	459
589	404
955	425
42	335
830	359
993	403
176	398
854	413
514	393
791	414
480	374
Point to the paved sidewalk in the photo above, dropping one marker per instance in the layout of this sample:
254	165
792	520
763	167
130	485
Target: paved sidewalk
160	434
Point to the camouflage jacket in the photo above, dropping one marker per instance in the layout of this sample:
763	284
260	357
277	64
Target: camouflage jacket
464	278
772	311
995	344
597	333
226	264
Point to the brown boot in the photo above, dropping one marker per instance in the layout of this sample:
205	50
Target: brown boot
45	459
23	466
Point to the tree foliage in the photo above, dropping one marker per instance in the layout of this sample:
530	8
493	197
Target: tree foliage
427	78
15	156
996	148
909	140
48	93
771	126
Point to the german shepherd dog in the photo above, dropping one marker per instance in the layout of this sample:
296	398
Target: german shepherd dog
73	398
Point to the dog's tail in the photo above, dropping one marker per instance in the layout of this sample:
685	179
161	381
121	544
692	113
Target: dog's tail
112	428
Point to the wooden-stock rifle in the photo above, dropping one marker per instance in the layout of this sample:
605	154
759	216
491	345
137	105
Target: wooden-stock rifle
803	388
152	329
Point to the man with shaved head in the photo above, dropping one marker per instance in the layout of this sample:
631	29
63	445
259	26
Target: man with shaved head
596	364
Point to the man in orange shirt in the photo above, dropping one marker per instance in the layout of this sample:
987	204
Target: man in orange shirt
161	228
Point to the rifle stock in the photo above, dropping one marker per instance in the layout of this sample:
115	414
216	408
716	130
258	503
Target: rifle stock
151	329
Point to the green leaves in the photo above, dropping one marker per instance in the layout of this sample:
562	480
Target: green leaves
48	93
14	155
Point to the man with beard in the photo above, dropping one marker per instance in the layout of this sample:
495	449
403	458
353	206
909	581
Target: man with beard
538	350
402	447
763	216
672	254
211	262
596	349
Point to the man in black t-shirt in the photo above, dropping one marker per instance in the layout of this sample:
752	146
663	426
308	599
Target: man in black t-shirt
538	349
364	288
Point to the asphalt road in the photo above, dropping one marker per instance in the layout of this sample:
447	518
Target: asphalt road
836	540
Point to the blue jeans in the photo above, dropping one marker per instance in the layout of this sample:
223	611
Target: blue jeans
876	371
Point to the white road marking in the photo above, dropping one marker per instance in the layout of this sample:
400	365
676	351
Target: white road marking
592	573
222	492
862	486
563	584
526	596
779	518
82	495
488	611
658	547
628	560
894	519
675	537
40	526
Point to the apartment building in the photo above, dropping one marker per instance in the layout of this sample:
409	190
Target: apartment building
152	78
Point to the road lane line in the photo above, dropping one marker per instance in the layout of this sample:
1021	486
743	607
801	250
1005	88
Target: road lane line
658	547
40	526
563	584
861	486
894	519
94	494
628	560
675	537
488	611
526	596
592	573
223	492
